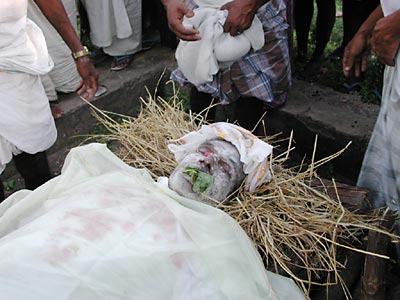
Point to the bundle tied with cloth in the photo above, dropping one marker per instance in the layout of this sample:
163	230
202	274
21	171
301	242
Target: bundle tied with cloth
200	60
220	155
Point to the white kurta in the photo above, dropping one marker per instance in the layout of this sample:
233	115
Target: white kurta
104	230
381	166
64	77
26	123
115	25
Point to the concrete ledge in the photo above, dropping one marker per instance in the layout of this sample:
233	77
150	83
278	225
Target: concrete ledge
124	89
335	117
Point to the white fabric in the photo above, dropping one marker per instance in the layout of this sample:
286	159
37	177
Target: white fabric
389	6
200	60
26	123
104	230
381	165
64	77
22	45
254	153
393	85
7	150
115	25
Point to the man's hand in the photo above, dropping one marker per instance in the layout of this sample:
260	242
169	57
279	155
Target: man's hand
240	15
386	37
355	55
176	10
57	16
87	71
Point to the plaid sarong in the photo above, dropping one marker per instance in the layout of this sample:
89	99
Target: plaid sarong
264	74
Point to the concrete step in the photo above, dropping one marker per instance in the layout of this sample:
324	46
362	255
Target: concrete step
336	118
311	109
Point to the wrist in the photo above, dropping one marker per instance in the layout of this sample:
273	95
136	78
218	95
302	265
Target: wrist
82	59
84	52
364	34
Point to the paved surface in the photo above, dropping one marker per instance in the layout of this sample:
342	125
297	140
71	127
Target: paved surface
335	117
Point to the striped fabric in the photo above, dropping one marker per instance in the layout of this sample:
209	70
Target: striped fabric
264	74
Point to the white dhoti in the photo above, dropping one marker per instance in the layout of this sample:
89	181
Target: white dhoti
104	230
115	26
26	123
64	77
380	171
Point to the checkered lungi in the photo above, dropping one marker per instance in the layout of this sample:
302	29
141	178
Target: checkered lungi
264	74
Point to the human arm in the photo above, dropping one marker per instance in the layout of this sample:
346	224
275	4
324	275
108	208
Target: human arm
240	14
55	13
356	52
176	10
385	38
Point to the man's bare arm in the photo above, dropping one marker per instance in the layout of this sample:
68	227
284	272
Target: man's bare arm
55	12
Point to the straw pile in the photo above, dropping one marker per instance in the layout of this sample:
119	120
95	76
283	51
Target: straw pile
294	226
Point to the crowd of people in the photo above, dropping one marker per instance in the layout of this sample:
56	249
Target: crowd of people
233	53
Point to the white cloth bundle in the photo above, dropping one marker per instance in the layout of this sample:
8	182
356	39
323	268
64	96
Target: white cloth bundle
104	230
200	60
254	153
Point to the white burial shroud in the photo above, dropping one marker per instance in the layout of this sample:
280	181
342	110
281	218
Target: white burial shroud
104	230
200	60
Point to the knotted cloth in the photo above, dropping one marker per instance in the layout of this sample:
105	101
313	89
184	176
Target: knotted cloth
200	60
254	153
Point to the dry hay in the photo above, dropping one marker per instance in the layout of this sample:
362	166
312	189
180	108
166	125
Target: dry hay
294	226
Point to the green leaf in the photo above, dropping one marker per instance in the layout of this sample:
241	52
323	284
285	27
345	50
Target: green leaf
202	182
8	185
192	172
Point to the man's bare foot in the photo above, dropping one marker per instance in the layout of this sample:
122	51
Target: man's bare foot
56	111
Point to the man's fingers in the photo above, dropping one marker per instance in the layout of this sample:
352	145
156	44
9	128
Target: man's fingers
81	89
233	31
386	61
183	33
189	13
189	37
364	61
348	62
91	88
357	68
88	88
227	27
94	84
